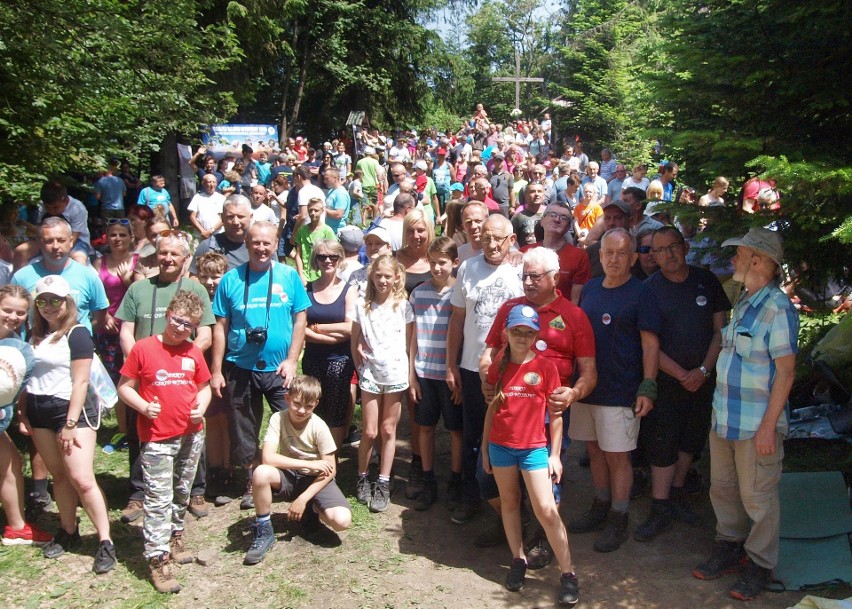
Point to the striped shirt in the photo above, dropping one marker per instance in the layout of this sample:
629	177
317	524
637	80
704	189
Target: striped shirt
432	320
764	327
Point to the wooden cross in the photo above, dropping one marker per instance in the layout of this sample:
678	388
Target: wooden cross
517	79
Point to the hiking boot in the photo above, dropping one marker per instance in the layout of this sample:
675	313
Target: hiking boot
62	542
517	575
428	495
569	590
161	575
727	557
105	558
363	490
29	535
198	506
264	539
614	533
415	479
659	520
540	553
592	520
247	502
454	494
178	551
693	483
752	583
36	505
219	488
353	438
491	537
132	512
381	496
465	513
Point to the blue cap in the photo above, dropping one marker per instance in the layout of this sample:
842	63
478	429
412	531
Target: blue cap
457	186
522	315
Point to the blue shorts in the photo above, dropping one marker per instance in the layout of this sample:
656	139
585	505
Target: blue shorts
527	459
436	402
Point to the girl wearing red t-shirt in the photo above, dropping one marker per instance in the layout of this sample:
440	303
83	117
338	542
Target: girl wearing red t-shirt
514	439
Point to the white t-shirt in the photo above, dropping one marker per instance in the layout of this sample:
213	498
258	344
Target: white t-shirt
384	333
208	209
395	230
310	443
263	212
631	183
51	373
481	289
308	192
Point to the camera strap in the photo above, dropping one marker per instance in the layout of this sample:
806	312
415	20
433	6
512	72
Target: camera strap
154	300
268	295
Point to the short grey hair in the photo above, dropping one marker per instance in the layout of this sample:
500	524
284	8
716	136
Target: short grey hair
620	232
237	201
544	257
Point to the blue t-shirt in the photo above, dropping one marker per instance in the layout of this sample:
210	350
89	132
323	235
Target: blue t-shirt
288	298
264	173
111	189
152	198
617	316
86	287
337	198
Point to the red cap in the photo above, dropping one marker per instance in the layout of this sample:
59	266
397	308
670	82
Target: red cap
442	151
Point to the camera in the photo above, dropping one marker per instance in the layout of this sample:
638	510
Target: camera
256	336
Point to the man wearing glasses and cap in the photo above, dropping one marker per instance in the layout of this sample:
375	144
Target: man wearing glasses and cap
754	374
502	184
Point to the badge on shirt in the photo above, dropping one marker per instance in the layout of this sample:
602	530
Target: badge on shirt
187	363
606	318
701	301
558	323
532	378
540	346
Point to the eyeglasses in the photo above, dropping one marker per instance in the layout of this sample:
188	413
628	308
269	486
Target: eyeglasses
553	215
177	322
486	239
535	277
122	221
644	249
328	257
53	301
171	232
669	249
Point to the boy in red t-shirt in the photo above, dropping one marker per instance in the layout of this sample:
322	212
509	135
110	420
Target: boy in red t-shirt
166	379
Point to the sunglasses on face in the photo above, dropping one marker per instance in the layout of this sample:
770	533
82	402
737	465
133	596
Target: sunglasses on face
53	301
644	249
328	257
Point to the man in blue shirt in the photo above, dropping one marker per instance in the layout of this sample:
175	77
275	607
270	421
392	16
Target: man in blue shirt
110	191
336	201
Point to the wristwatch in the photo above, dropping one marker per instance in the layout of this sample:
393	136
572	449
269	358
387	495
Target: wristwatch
70	424
704	371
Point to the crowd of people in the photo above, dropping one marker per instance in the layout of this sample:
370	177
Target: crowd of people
524	295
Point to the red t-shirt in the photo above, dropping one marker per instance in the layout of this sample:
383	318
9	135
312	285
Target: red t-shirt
519	421
565	333
574	267
173	374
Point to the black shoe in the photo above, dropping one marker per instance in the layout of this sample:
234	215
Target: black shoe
752	583
62	542
693	484
363	490
415	479
264	539
517	575
428	495
353	438
465	513
659	520
540	553
614	533
454	494
105	558
491	537
569	590
727	557
592	520
36	505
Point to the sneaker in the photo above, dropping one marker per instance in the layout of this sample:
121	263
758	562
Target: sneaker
491	537
161	575
381	497
428	495
132	512
353	438
454	494
247	502
105	558
517	575
264	539
178	551
364	490
415	479
614	533
465	513
659	520
198	506
592	520
569	590
540	553
693	483
752	583
29	535
62	542
727	557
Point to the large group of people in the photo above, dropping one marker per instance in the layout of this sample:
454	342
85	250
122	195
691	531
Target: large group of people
523	294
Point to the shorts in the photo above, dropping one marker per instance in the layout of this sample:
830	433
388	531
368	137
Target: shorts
294	484
436	402
371	386
614	428
50	412
526	459
679	422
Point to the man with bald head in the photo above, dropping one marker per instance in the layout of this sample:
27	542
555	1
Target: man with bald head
205	208
479	189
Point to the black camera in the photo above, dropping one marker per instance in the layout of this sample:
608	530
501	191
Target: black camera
256	336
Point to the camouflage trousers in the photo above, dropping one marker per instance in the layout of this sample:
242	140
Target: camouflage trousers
168	469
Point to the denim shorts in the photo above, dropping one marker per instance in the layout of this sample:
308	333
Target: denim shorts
50	412
527	459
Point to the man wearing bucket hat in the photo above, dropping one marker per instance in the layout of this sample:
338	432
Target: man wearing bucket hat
755	372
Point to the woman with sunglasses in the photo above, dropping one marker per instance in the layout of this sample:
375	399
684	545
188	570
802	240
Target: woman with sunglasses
59	418
328	354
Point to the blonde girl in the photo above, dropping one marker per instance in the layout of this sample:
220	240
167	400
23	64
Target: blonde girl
382	328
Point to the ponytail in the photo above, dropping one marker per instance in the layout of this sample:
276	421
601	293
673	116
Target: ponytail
499	397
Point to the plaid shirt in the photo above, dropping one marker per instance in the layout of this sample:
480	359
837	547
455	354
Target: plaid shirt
764	327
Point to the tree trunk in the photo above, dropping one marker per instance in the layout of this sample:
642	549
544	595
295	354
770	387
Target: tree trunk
306	60
284	133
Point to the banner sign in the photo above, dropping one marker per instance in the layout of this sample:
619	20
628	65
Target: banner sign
232	137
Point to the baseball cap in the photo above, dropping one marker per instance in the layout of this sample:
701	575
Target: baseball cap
620	205
498	155
457	186
52	284
654	207
442	151
765	241
421	164
351	238
522	315
369	150
381	232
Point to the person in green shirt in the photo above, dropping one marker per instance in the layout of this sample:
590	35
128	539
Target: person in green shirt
308	235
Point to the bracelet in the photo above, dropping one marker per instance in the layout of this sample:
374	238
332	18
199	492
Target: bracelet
704	371
69	424
647	389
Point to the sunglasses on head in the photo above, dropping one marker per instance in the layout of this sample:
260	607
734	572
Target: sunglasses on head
122	221
171	232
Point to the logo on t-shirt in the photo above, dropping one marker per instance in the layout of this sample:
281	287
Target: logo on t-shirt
532	378
606	318
164	377
558	323
188	364
701	300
